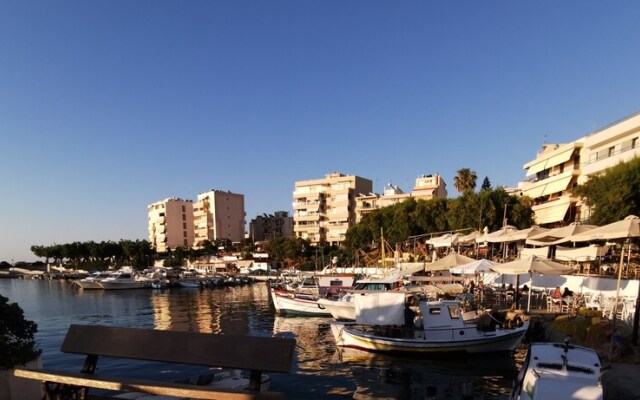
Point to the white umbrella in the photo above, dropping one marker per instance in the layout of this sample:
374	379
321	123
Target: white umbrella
529	266
624	229
474	267
450	261
558	235
522	234
446	240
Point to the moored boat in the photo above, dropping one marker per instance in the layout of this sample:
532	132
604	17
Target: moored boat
559	371
124	278
384	325
344	308
92	281
296	303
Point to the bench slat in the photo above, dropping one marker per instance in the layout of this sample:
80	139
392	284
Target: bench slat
152	387
228	351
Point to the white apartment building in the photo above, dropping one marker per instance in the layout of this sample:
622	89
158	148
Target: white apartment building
217	215
607	147
170	224
325	208
551	178
427	187
557	169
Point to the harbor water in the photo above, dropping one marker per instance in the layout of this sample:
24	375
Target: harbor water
320	371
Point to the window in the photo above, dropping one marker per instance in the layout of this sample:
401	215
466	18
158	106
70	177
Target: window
454	312
434	311
634	141
611	151
184	225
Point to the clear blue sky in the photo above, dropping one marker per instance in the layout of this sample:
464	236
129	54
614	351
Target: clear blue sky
107	106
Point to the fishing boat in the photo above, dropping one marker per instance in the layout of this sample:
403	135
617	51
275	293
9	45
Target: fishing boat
386	323
303	299
344	308
559	371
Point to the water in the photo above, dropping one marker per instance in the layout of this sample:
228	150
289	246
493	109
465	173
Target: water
320	369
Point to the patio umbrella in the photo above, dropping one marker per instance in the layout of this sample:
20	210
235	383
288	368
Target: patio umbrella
558	235
474	267
450	261
529	266
522	234
446	240
623	229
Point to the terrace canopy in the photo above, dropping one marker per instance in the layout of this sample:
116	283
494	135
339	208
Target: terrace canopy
474	267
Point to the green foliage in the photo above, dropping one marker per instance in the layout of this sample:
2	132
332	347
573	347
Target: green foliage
17	343
576	327
284	249
411	218
465	180
614	195
486	184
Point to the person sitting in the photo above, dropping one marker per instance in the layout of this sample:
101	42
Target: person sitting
557	294
525	288
567	292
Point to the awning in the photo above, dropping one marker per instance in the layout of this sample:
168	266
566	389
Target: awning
553	213
535	191
559	158
535	168
557	186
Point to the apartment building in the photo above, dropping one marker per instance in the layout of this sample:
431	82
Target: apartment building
325	208
268	226
218	215
558	168
607	147
427	187
170	224
551	177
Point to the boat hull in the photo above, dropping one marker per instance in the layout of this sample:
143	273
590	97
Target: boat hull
125	285
88	285
472	341
288	303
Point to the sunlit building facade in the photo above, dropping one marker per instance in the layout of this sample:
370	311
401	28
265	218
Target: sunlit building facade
218	215
325	208
170	224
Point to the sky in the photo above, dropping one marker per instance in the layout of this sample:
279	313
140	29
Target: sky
108	106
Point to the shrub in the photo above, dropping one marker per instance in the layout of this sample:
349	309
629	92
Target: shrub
17	343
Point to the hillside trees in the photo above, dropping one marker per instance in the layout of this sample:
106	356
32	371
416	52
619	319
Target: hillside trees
416	217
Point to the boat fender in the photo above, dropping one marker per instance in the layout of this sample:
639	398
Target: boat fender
518	321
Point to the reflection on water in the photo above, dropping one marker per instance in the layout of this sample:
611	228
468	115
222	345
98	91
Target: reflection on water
320	369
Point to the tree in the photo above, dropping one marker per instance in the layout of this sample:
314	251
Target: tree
486	184
613	196
465	180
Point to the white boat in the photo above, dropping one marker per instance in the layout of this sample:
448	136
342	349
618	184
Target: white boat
444	326
288	302
93	280
124	278
302	299
344	308
559	371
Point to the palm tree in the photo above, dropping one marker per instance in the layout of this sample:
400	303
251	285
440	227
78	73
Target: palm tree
465	180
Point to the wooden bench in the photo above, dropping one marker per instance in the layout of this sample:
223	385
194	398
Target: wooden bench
256	354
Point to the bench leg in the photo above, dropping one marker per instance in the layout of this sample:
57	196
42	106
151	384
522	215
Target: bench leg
60	391
255	380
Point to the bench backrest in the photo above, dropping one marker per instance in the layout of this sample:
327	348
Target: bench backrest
270	354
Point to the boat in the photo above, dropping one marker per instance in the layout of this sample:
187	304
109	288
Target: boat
124	278
344	308
559	371
386	323
92	281
289	302
303	298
